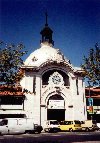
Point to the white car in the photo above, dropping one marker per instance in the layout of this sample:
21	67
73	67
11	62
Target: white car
98	124
18	126
52	126
89	125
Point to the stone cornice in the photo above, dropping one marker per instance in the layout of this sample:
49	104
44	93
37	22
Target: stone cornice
48	63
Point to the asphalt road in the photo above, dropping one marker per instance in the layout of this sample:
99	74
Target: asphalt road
61	137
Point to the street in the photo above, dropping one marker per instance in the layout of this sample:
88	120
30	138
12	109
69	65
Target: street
61	137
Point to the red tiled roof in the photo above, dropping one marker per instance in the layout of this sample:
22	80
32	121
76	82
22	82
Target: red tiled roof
5	93
98	96
94	92
8	90
94	89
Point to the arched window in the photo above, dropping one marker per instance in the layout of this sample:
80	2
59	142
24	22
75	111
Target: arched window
46	75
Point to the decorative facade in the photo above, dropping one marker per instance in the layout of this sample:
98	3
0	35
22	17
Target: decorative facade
55	88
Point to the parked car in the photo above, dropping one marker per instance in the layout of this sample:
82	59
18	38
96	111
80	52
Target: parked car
70	125
18	125
89	125
51	126
37	128
98	124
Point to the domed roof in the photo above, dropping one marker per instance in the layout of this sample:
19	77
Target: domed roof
44	54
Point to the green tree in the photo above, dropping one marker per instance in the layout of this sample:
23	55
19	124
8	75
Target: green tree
91	66
10	63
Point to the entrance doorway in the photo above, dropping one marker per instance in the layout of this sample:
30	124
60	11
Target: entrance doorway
56	108
56	114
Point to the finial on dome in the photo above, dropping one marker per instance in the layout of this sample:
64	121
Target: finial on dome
46	15
46	33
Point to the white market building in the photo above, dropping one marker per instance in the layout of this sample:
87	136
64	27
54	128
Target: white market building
57	89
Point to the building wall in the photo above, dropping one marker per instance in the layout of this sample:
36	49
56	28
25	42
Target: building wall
36	103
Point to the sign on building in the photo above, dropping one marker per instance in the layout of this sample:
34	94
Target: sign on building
90	102
56	104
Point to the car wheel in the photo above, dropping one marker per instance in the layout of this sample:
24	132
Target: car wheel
26	132
87	129
39	132
55	130
71	130
0	133
46	130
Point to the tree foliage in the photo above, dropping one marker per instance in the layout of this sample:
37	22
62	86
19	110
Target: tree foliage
91	66
10	62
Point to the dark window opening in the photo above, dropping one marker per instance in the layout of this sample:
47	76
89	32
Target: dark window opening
83	97
56	114
91	92
96	102
11	100
46	75
77	86
56	97
2	116
94	117
34	84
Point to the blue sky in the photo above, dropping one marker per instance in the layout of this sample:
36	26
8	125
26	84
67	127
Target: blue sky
75	24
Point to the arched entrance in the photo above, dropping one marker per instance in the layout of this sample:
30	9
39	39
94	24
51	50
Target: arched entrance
56	108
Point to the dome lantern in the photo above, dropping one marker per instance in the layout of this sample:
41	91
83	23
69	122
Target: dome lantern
46	33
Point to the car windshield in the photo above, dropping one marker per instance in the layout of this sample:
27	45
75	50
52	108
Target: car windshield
94	122
77	122
82	122
54	122
3	122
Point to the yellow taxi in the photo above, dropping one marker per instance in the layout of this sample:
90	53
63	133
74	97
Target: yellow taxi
74	125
